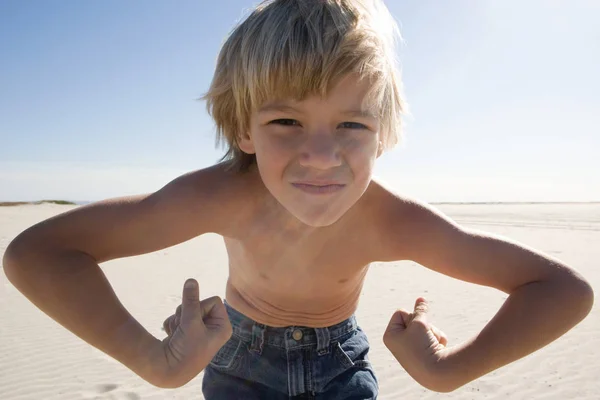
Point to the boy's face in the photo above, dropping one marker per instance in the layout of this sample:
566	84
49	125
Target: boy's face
316	156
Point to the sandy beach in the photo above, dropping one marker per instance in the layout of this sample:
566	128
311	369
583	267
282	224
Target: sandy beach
41	360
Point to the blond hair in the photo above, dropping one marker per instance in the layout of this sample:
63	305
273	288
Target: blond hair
290	49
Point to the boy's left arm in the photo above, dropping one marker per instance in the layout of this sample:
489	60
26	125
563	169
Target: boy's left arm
546	297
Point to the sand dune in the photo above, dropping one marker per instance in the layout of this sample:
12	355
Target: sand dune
41	360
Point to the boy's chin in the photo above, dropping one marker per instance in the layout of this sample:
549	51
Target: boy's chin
318	222
317	218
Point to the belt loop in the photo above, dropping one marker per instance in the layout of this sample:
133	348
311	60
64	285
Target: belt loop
323	340
258	338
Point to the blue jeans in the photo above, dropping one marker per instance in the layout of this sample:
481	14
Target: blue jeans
262	362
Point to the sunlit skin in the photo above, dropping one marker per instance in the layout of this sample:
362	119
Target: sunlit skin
315	159
316	156
301	228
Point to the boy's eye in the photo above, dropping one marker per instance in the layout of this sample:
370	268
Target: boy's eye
352	125
285	121
293	122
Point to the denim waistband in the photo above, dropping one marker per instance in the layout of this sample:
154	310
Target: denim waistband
286	337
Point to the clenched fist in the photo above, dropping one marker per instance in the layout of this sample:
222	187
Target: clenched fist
195	332
415	343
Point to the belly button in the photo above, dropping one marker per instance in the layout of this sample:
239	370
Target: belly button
264	276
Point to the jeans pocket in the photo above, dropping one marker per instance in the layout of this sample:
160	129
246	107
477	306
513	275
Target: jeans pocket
352	351
228	355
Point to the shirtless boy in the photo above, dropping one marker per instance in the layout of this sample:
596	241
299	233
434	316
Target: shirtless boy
307	97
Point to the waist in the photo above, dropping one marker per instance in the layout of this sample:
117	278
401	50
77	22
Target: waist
291	311
246	329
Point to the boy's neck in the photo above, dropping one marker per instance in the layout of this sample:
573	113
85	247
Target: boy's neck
282	219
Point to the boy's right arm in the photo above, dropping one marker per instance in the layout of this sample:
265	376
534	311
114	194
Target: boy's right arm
55	262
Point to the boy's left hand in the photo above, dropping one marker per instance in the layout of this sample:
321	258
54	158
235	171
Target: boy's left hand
415	343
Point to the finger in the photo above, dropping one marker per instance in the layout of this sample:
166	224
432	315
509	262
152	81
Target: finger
399	321
174	323
167	325
213	306
190	301
214	314
439	335
178	311
421	309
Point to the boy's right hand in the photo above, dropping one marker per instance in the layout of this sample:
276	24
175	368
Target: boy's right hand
195	333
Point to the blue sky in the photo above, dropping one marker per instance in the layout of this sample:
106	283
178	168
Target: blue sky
97	98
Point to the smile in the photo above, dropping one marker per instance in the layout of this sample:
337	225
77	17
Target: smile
315	188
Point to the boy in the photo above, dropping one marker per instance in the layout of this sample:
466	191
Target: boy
307	97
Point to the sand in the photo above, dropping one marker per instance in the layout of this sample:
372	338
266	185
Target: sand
41	360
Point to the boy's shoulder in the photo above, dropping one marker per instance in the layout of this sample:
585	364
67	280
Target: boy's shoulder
220	189
221	180
392	205
402	223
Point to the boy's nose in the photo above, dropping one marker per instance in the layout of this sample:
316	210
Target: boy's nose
320	152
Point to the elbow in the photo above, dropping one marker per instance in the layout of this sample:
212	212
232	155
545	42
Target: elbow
18	258
442	389
11	259
586	297
441	386
579	295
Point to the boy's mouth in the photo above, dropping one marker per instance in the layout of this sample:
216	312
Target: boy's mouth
318	187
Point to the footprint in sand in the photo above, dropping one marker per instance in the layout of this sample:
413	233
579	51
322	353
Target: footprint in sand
105	388
108	391
173	298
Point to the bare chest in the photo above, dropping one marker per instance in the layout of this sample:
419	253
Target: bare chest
278	264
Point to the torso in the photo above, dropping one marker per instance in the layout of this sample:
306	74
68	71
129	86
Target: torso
282	277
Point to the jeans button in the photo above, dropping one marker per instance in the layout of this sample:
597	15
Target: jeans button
297	335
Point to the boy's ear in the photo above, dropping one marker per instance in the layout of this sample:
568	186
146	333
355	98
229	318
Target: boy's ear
245	143
379	149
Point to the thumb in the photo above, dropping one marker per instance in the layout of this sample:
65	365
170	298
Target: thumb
190	301
421	309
